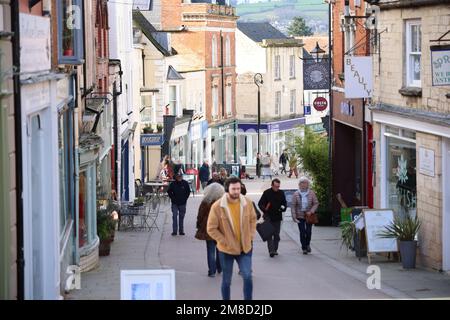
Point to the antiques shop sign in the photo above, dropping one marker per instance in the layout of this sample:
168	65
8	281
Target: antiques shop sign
440	65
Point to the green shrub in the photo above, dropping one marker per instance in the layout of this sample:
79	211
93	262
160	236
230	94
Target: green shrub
313	152
105	224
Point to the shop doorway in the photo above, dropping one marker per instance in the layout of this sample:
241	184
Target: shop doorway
446	200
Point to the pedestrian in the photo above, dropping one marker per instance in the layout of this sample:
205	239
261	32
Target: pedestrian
293	163
275	164
258	165
232	223
204	174
304	201
284	158
215	178
266	163
164	173
179	192
273	204
223	175
212	193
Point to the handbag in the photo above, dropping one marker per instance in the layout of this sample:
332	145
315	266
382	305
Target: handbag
312	218
265	229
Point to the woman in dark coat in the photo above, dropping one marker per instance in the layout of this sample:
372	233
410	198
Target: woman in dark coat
212	193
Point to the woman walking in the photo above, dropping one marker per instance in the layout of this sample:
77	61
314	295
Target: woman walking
304	201
212	193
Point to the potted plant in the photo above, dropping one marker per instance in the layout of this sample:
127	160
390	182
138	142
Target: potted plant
348	232
67	42
105	231
159	128
148	129
405	229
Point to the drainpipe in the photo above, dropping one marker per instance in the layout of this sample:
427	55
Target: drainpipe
221	67
15	24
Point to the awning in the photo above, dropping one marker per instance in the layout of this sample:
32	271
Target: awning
180	130
276	126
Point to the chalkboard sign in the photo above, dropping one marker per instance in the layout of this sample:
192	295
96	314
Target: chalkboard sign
375	221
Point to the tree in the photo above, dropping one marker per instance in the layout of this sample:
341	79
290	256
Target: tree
313	152
298	27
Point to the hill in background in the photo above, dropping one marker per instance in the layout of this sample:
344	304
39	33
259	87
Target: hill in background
280	13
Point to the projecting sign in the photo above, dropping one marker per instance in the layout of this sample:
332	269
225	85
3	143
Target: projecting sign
440	65
320	103
358	77
315	75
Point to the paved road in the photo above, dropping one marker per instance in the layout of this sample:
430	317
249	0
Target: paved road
290	275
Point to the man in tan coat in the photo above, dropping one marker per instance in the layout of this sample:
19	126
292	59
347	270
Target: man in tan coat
232	223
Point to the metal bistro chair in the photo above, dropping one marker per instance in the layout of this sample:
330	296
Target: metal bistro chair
132	217
151	214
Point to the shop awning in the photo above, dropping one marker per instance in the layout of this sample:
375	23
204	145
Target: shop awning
276	126
180	130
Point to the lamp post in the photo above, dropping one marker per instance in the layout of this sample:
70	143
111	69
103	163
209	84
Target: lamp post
258	81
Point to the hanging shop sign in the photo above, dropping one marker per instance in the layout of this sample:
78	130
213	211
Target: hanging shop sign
440	65
320	103
315	75
358	77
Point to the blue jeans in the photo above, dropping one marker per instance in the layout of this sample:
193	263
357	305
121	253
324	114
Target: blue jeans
305	233
213	257
244	261
178	213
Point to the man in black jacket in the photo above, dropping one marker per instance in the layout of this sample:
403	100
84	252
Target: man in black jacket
273	204
179	192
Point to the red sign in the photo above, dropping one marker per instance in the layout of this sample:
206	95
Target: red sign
320	104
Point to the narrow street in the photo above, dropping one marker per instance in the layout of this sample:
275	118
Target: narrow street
328	273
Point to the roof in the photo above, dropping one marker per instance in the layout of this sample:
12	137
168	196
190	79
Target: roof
258	31
149	30
173	74
310	42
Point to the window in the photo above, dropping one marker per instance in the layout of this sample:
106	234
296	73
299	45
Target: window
349	37
277	102
277	68
413	53
292	105
228	52
70	28
87	203
173	101
215	102
228	99
292	66
214	52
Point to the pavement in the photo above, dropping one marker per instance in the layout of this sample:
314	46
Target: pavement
329	272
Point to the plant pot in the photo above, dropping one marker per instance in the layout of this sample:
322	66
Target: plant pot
68	52
408	254
104	247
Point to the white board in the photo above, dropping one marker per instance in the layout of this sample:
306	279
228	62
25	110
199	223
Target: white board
375	222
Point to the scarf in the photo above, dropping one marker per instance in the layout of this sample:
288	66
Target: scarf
304	196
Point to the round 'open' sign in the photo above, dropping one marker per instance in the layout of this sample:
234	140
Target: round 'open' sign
320	104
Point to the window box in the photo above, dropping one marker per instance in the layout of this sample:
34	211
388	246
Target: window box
410	91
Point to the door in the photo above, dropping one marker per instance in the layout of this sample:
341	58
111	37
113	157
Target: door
446	200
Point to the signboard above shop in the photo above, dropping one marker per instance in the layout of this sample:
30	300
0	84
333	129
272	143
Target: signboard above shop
358	77
151	140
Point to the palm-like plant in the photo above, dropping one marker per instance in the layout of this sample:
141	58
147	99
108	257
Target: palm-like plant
403	228
348	231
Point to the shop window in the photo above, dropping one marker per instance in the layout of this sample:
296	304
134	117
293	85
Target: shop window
413	53
87	206
401	174
70	27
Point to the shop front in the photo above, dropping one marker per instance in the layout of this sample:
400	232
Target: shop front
179	142
223	143
412	175
199	136
351	168
248	142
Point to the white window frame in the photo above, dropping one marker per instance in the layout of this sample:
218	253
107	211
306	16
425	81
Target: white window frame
349	37
292	66
228	51
176	110
214	51
277	102
293	101
410	82
277	66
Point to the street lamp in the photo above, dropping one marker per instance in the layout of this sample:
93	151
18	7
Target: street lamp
258	81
